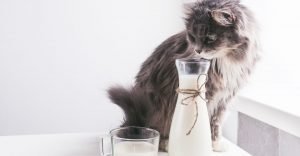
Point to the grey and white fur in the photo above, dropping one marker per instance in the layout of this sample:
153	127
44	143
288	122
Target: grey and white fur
221	30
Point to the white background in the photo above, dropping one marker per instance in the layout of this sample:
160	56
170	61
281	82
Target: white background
58	57
276	80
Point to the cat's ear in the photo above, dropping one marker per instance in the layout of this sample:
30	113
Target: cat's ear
188	8
223	17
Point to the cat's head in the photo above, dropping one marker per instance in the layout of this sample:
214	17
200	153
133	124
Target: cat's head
216	28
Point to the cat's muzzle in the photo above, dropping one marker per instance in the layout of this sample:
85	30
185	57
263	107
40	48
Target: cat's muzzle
198	51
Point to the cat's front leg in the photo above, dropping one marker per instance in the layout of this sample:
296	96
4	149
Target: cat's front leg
216	130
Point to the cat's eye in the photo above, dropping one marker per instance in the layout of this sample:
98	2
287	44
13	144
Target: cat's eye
191	37
211	38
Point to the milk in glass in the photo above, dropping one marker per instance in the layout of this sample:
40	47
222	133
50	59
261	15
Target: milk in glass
131	148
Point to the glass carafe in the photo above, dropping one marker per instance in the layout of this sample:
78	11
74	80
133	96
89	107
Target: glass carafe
190	133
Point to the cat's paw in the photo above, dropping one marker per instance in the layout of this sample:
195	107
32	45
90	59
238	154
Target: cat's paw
167	146
163	146
220	146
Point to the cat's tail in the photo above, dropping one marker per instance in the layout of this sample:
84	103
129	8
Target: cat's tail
134	102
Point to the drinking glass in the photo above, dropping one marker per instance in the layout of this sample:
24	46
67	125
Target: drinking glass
131	141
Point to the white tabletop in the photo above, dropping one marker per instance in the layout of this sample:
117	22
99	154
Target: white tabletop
83	144
233	150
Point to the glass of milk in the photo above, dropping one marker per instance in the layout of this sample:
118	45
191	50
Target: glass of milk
131	141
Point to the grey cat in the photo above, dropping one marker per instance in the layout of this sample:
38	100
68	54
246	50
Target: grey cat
221	30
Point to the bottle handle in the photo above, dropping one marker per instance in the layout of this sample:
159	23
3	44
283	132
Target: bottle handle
103	147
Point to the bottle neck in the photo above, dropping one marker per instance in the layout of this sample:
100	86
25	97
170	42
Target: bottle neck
192	81
188	81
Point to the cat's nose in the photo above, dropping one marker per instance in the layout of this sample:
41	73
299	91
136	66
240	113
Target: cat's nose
198	51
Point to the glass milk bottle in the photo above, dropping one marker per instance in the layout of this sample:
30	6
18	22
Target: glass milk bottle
190	133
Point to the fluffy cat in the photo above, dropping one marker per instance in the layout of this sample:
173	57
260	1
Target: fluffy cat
221	30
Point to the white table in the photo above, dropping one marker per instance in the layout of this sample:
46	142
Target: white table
83	144
233	150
